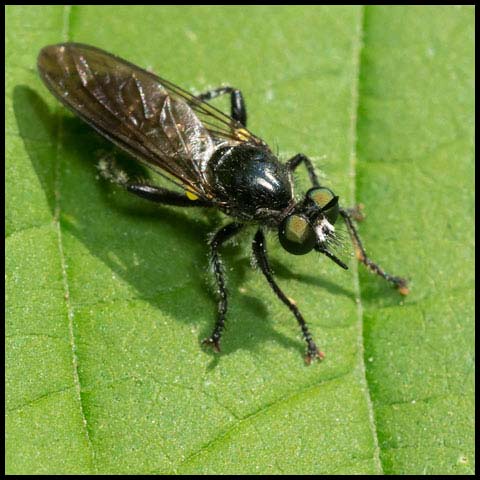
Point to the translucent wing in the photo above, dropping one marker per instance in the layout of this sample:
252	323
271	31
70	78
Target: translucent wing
162	125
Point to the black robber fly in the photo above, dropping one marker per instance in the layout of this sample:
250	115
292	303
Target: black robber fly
211	156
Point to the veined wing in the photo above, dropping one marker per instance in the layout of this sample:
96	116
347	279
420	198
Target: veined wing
162	125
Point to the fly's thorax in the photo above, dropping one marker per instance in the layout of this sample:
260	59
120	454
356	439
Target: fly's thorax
249	180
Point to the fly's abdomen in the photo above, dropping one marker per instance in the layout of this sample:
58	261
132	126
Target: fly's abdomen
248	179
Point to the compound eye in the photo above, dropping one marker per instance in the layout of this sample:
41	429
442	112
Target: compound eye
326	201
296	235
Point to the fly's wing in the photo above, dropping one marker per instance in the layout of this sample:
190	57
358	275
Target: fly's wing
163	126
221	127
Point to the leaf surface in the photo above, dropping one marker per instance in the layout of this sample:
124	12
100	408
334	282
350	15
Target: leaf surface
108	297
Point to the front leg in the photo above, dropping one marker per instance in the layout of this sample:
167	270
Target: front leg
400	283
295	161
219	238
260	253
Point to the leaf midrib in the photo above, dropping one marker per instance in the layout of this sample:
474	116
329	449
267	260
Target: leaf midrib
353	142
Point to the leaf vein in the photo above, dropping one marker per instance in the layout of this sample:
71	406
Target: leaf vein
57	210
257	413
38	399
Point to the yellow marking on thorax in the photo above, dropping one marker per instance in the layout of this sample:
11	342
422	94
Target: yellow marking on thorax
242	134
191	195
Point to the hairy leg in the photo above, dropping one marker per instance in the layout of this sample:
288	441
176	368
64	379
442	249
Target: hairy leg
237	102
154	193
260	252
295	161
224	234
400	283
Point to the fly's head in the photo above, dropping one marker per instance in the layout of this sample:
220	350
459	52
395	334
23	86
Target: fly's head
311	225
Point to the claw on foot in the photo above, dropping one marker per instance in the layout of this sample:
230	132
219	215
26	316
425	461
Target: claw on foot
313	354
402	286
357	212
211	342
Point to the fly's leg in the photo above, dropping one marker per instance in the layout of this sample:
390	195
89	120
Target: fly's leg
165	196
295	161
260	253
237	103
400	283
356	212
219	238
111	172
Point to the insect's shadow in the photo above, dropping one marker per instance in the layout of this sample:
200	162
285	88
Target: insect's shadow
87	202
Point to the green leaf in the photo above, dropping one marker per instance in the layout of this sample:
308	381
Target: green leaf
108	297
